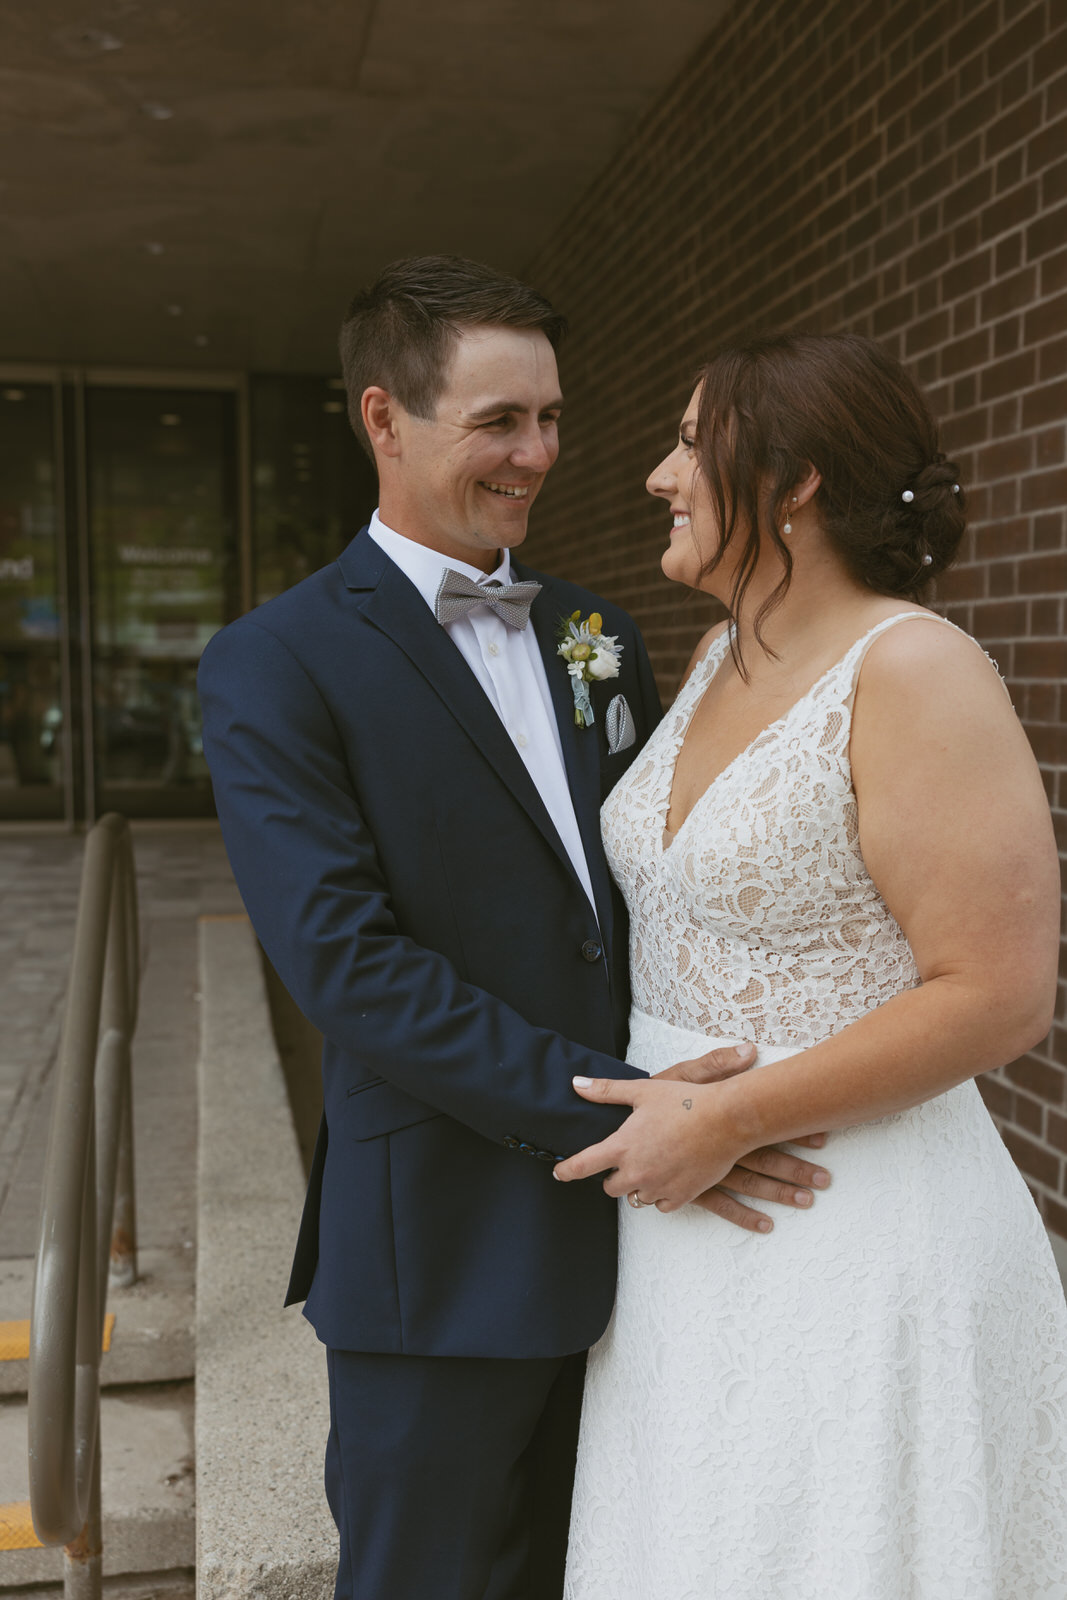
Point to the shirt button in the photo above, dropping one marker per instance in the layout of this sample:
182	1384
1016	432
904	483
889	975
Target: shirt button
592	950
521	740
494	649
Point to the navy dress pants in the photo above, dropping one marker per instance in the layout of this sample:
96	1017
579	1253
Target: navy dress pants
450	1478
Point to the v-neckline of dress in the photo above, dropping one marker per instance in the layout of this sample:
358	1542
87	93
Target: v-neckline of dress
668	839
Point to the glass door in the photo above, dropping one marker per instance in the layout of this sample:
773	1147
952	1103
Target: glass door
127	507
35	755
161	468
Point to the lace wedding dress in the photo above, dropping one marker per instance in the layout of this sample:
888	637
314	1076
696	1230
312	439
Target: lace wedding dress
870	1403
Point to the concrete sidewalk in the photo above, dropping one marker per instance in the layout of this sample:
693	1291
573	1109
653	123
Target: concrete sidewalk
182	873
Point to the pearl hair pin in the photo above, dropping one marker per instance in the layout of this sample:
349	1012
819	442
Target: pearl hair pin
909	494
928	560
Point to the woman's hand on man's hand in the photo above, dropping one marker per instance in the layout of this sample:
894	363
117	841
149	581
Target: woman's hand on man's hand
675	1148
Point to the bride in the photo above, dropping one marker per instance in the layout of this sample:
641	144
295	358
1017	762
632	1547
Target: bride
836	846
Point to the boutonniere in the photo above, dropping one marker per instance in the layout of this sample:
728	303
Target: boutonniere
590	656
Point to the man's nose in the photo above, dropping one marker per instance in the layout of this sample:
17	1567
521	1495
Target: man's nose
535	451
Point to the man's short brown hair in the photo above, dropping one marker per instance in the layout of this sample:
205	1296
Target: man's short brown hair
400	332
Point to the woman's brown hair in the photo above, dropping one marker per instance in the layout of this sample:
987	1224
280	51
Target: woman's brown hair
775	406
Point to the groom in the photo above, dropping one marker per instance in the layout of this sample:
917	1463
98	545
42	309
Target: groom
411	814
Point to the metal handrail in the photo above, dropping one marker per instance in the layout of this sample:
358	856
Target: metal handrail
88	1220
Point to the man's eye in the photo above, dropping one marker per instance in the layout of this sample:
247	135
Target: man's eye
497	422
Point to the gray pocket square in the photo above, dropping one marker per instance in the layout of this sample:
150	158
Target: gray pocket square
619	724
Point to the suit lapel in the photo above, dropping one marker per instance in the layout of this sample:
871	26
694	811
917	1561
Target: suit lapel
581	750
396	608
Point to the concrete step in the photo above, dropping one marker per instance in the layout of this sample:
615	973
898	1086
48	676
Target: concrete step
151	1338
147	1487
263	1527
177	1585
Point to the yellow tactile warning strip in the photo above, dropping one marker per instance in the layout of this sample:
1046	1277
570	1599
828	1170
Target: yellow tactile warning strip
223	916
15	1342
16	1527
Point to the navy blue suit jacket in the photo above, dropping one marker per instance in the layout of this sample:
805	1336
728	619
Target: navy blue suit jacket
409	887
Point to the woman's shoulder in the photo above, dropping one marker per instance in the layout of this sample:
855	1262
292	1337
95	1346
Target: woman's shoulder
923	651
924	677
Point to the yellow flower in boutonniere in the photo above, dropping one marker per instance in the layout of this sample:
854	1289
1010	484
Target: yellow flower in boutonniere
591	656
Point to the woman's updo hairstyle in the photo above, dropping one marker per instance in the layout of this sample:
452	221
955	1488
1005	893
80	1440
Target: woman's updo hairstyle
772	408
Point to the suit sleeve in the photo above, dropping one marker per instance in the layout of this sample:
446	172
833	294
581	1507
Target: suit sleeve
309	874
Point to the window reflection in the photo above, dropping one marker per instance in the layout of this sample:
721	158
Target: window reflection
30	714
162	481
313	487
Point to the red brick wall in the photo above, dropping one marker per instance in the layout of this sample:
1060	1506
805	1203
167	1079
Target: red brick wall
895	169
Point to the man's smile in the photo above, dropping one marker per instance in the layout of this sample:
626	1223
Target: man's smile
513	491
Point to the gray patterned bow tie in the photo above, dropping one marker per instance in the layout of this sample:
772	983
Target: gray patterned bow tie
457	594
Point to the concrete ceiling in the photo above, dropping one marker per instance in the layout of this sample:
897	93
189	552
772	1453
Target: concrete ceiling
191	183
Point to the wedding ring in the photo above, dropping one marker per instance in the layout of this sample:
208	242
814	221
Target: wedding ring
634	1200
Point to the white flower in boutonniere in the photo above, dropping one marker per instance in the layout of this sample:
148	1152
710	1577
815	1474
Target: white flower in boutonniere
590	656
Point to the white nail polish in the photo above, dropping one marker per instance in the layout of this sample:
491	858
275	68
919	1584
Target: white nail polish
582	1083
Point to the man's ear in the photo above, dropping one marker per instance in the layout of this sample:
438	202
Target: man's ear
379	412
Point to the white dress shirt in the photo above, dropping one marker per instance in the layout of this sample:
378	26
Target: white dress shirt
508	664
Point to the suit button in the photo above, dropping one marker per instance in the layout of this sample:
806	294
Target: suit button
528	1149
511	1141
592	950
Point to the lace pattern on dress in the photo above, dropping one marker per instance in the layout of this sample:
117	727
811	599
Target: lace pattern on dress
761	907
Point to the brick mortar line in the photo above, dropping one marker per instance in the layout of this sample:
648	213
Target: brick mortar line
667	109
813	204
812	200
